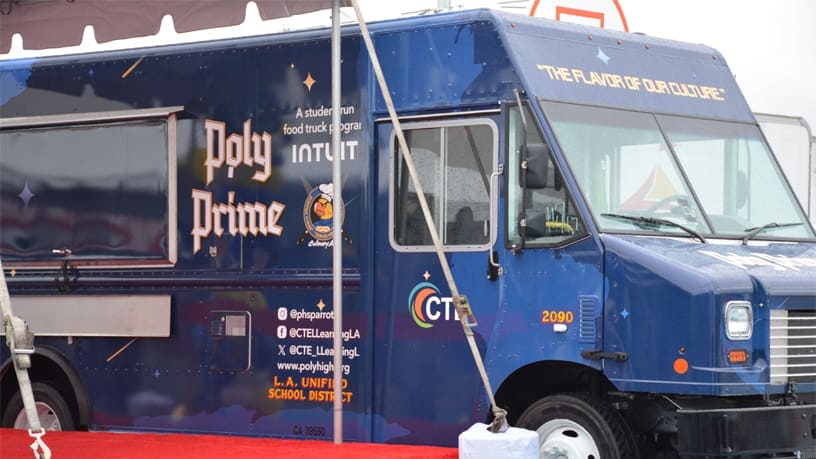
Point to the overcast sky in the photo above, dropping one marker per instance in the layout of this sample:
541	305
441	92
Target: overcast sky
770	46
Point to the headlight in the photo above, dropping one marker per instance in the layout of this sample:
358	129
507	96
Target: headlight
739	320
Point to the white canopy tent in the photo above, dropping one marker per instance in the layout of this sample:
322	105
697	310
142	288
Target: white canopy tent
59	23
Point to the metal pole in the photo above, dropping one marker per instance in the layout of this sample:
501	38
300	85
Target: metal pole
812	182
337	224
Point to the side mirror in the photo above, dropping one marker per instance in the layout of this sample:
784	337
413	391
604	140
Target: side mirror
537	164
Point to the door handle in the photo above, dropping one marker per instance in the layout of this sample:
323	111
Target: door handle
494	269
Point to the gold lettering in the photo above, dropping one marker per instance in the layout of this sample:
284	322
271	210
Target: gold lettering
693	90
328	396
632	83
711	92
563	74
613	80
675	89
285	394
549	68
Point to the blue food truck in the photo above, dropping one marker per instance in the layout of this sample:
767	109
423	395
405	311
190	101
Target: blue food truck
643	277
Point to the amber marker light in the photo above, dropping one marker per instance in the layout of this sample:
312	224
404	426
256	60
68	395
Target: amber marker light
737	356
681	366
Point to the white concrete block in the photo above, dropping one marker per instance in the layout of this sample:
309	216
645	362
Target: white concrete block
479	443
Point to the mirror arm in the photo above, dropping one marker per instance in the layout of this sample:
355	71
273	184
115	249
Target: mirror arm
522	219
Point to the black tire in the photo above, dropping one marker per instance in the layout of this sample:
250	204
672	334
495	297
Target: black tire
51	406
578	426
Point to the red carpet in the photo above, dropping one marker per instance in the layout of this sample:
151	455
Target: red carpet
109	445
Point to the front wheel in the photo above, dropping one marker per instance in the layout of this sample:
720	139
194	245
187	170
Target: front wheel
52	409
577	426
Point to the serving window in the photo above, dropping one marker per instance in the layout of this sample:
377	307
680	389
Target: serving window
99	188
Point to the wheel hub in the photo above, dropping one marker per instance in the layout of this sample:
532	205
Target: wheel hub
48	418
566	439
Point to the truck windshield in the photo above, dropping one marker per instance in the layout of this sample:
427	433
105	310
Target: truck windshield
713	177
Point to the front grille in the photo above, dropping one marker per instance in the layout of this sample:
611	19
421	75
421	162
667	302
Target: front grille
793	346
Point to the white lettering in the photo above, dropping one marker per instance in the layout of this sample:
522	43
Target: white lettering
249	149
775	262
432	315
448	302
315	152
215	131
435	306
201	229
246	218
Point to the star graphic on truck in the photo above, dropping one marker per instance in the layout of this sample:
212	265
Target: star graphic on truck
603	57
26	194
309	81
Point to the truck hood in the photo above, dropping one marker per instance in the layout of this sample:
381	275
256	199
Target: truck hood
780	269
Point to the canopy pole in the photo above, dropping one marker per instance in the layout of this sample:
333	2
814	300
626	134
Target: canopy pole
337	224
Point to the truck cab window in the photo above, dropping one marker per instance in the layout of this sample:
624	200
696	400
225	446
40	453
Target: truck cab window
713	177
454	160
625	168
739	184
540	209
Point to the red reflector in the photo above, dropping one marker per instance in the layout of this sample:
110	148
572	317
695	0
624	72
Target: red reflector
737	356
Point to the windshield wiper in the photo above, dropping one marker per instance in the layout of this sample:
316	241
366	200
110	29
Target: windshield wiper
651	221
758	229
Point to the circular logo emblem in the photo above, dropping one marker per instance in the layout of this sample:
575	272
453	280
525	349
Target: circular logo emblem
416	302
318	212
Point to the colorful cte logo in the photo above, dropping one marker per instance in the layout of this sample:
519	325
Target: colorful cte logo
427	306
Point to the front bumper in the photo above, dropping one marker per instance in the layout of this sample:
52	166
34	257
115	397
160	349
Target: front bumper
737	431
